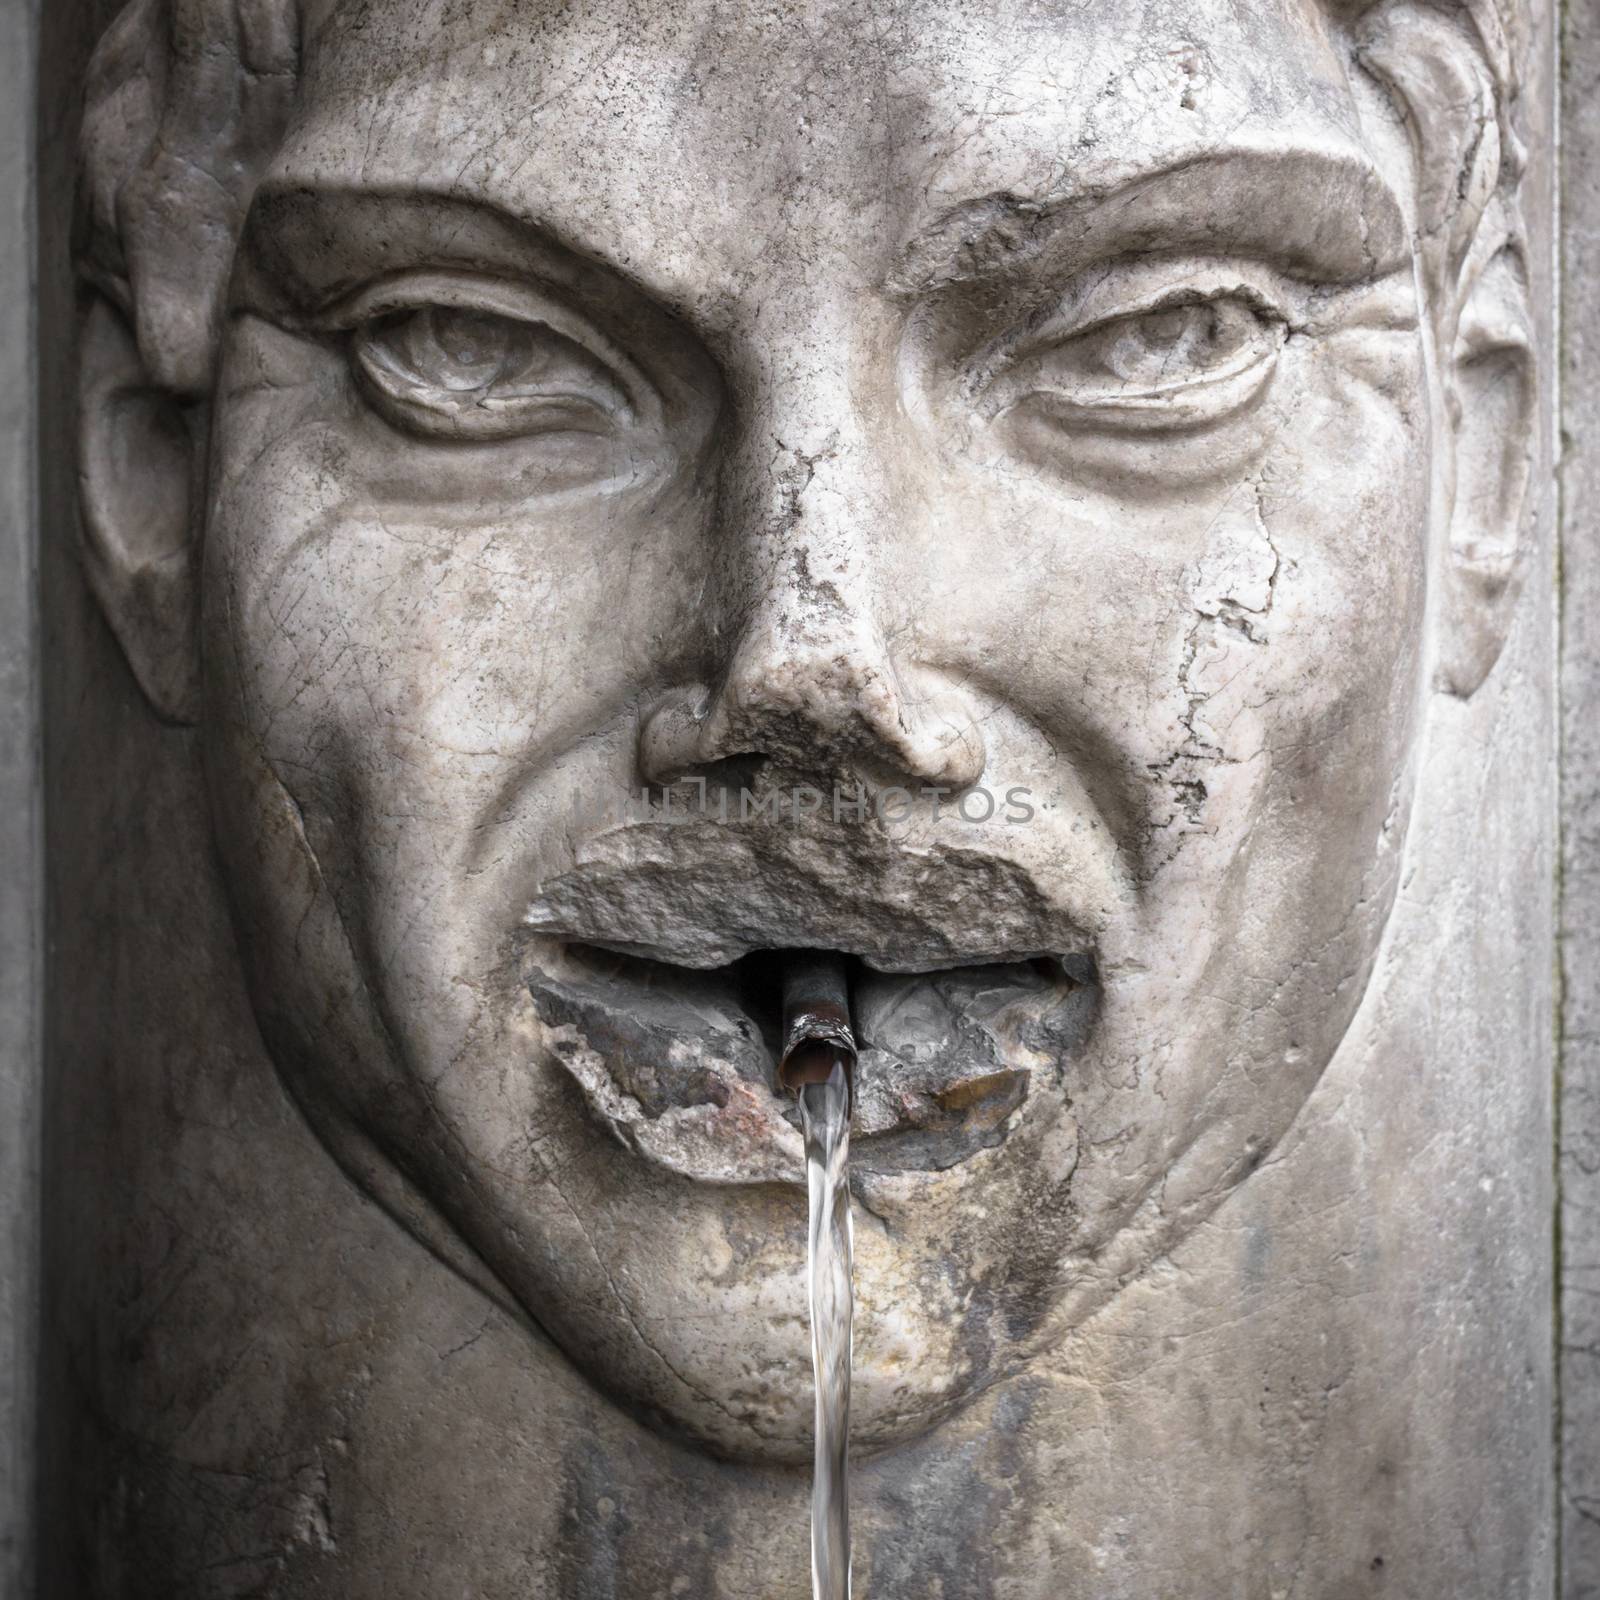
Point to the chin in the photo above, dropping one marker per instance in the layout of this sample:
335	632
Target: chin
703	1330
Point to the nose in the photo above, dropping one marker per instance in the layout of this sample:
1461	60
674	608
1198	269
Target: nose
810	680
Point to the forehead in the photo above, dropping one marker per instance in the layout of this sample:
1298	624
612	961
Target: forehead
713	138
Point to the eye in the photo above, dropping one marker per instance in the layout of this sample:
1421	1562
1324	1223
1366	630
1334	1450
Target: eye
467	373
1180	364
1159	349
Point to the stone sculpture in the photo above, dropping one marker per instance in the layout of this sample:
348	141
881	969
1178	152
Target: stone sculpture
994	491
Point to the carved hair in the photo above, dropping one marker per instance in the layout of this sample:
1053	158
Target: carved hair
1460	106
188	99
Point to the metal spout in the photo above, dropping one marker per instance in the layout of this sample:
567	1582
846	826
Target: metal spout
816	1020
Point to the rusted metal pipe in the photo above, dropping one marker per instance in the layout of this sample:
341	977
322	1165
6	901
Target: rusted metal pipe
817	1034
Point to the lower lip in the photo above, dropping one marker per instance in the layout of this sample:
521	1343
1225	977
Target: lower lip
947	1064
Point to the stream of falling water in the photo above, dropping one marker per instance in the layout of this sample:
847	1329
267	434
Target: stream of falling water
825	1116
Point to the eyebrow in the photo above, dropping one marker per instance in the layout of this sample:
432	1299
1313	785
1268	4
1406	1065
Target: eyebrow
309	247
317	243
1328	217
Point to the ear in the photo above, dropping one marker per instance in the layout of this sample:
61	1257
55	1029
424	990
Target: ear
1492	394
139	450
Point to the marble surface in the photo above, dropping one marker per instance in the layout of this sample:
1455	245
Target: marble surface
1580	811
615	399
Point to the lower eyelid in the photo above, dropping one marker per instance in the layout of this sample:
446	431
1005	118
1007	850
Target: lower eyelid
515	303
990	369
1179	407
502	419
398	390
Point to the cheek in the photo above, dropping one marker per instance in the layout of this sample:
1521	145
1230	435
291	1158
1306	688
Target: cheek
1345	504
1305	700
414	618
1199	616
406	646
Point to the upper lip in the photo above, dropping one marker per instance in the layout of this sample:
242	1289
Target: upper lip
705	899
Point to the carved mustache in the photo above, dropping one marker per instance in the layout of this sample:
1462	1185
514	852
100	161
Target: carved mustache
704	894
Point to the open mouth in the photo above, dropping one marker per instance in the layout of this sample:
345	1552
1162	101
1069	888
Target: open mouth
681	1062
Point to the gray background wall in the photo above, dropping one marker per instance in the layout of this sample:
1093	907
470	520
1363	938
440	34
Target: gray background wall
1579	1133
20	859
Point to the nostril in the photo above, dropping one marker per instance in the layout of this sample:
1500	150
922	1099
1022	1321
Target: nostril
732	772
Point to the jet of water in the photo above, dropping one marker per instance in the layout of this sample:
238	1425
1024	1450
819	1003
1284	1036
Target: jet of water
825	1117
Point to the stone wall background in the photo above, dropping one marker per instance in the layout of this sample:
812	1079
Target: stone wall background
20	857
244	1362
1579	1309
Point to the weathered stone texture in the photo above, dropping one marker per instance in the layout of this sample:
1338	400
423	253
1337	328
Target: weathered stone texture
1138	418
21	863
1580	808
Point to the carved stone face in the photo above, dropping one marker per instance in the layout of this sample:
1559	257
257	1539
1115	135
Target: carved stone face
1027	403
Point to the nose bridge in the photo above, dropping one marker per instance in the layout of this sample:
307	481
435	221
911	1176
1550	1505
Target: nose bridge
803	504
807	505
